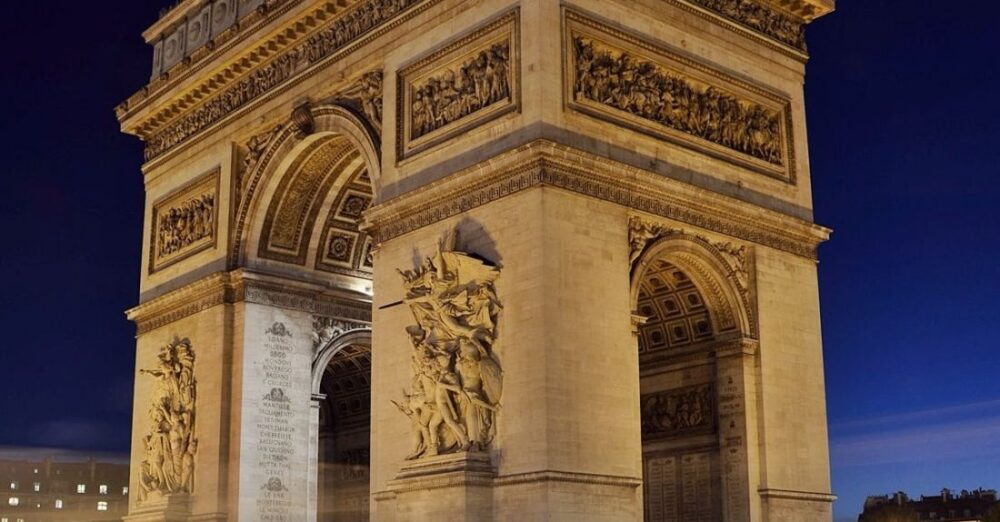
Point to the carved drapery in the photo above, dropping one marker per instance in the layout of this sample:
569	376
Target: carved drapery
457	381
170	445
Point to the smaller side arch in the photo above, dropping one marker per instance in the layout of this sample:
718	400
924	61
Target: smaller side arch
326	352
730	310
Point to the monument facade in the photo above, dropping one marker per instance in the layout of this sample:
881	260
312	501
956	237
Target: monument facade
478	260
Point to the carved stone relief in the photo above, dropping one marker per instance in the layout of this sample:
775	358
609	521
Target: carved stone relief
361	20
255	148
681	411
185	222
757	17
625	80
326	329
459	87
457	381
169	448
366	95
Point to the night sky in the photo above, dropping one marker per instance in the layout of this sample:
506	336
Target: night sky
904	128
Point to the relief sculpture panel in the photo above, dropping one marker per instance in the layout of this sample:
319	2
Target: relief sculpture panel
683	411
467	83
457	381
170	445
619	78
184	223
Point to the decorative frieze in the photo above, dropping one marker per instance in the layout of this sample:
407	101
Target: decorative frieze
682	411
553	165
351	27
760	18
461	86
457	382
620	78
184	222
170	446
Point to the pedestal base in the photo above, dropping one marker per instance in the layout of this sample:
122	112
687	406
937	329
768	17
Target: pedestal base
457	486
162	508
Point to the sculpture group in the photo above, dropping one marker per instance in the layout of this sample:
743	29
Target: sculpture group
479	82
170	446
186	224
644	89
457	382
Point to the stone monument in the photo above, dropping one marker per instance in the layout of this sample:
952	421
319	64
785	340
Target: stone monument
478	260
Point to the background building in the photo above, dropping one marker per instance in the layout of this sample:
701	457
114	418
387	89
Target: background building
51	491
967	506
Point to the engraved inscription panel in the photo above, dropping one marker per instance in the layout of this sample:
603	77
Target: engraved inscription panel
185	222
681	487
614	76
461	86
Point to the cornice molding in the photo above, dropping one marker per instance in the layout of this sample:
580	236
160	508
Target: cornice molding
292	54
788	494
546	163
251	287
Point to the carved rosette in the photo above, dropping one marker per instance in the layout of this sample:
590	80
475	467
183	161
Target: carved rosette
170	445
457	381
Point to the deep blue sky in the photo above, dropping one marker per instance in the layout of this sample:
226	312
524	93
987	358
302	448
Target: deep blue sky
905	141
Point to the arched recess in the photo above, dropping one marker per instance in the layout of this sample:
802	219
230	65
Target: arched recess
341	440
300	198
330	132
693	321
713	275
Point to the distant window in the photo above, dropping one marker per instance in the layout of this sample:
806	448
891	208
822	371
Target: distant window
35	471
37	486
13	485
81	488
103	489
13	501
125	490
59	504
102	506
4	519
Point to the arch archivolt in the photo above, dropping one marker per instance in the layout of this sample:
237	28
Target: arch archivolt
722	271
358	340
289	181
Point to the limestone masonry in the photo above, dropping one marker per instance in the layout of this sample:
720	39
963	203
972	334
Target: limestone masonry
504	260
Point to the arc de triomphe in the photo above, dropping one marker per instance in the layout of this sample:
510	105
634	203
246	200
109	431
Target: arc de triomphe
478	260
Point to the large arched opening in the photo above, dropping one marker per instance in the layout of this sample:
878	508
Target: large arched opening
302	193
689	317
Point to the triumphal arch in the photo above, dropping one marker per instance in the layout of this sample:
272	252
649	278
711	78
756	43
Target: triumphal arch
508	260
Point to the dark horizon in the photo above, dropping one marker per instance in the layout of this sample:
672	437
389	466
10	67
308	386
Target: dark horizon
903	135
